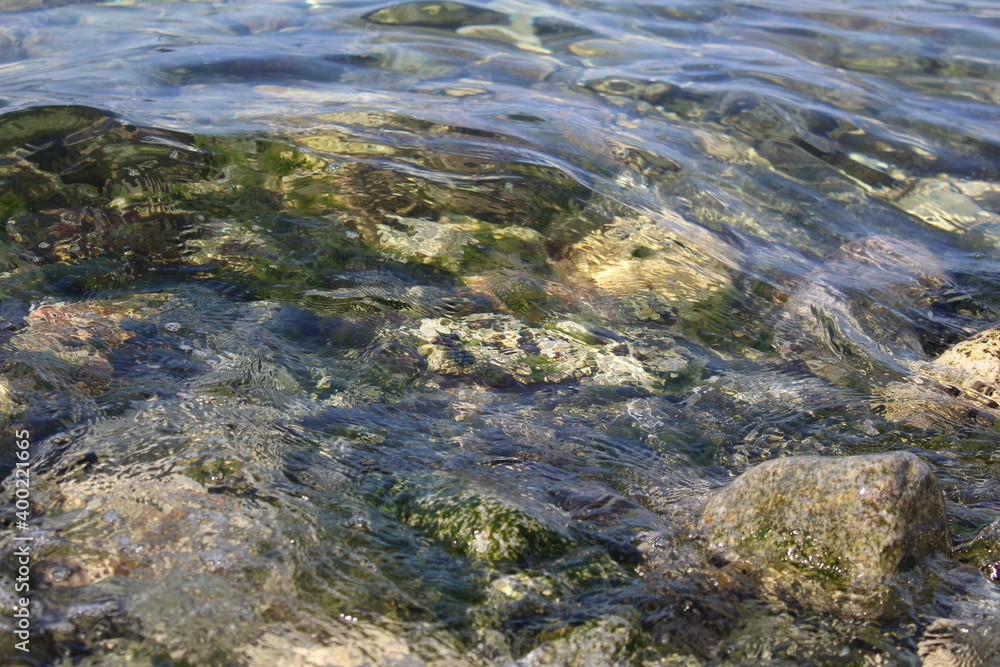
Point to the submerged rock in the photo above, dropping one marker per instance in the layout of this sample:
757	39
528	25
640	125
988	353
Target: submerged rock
876	305
485	523
830	532
598	642
456	243
961	206
950	643
501	350
155	519
137	234
956	389
984	551
88	185
634	269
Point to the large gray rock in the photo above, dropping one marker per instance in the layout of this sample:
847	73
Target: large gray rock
830	532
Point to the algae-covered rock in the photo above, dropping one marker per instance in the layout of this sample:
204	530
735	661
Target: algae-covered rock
137	234
482	521
830	531
516	291
984	551
86	184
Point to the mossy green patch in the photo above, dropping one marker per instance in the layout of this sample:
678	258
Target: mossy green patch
479	522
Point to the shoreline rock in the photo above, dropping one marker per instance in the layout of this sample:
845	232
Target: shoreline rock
830	532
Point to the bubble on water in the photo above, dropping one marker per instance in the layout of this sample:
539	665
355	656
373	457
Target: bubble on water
44	244
352	235
184	347
172	326
133	172
174	155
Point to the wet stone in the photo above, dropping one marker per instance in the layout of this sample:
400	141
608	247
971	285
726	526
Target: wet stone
978	358
484	346
481	521
952	643
830	532
600	642
984	551
958	388
636	270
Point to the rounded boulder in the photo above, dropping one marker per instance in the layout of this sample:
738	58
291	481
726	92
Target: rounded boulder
830	532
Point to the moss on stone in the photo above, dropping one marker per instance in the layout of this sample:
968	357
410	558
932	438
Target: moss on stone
480	522
845	524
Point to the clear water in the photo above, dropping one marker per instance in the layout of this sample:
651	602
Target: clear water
355	333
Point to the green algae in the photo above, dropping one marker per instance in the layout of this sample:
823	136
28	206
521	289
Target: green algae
477	522
983	551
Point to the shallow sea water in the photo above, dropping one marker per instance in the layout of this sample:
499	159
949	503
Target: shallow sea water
359	333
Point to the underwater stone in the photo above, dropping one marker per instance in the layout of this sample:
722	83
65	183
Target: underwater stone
827	314
953	643
984	551
634	269
830	531
977	357
482	523
956	389
600	642
505	346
